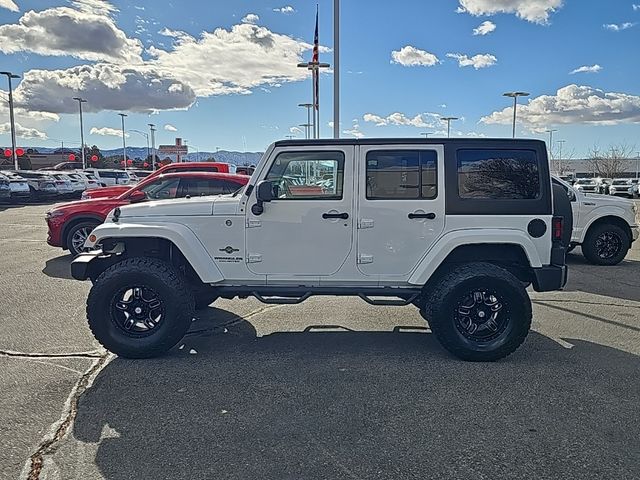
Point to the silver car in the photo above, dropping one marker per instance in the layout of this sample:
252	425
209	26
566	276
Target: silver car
624	186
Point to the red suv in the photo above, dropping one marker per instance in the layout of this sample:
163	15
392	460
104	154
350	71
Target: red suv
70	224
114	191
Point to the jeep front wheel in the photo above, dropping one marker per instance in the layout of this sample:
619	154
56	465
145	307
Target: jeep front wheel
140	308
479	312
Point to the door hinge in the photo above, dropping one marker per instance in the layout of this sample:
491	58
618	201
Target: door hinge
365	223
252	223
364	258
254	258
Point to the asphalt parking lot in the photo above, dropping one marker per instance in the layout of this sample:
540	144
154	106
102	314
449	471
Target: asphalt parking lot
333	388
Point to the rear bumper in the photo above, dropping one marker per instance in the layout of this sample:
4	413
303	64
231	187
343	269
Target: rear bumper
550	277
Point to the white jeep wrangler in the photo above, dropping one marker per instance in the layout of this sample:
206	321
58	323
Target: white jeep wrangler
603	226
457	228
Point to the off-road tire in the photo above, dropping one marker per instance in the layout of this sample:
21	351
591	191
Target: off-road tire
90	224
177	298
442	304
590	248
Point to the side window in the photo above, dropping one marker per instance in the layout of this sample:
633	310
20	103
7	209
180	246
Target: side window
402	175
498	174
162	189
308	175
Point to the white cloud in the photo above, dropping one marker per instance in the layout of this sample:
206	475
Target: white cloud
107	132
251	18
586	69
22	132
409	56
9	5
422	120
572	104
98	7
106	87
635	7
64	31
170	128
354	131
616	27
477	61
484	28
536	11
246	57
287	10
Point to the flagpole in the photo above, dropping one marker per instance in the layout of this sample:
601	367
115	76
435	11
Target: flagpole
315	100
336	68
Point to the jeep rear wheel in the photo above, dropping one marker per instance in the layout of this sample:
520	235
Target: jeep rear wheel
139	308
606	244
479	312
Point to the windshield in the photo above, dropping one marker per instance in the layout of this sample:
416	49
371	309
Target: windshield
585	182
621	182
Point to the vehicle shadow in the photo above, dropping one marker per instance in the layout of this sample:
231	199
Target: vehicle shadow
314	404
59	267
619	281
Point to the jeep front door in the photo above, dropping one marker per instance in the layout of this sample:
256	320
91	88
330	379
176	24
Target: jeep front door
307	229
400	207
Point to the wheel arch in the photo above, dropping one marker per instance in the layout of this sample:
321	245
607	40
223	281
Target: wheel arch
75	221
613	220
512	251
170	242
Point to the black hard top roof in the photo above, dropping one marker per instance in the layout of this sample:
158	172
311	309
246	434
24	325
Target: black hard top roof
520	142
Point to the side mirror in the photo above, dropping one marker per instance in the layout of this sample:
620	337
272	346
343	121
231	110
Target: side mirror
571	194
137	196
264	193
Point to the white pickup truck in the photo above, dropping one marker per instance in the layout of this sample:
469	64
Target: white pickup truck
457	228
604	226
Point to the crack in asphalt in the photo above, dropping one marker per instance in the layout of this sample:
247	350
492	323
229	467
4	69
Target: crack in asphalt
11	353
50	443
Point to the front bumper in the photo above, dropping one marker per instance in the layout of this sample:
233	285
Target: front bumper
550	277
80	264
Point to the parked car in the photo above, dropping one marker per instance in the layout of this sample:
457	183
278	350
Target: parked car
109	177
71	223
587	185
605	184
459	239
41	185
624	186
605	227
67	166
18	186
5	189
89	180
171	168
137	174
245	170
66	184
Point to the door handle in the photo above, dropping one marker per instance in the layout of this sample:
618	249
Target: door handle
343	216
430	216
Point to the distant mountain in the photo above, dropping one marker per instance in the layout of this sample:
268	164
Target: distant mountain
237	158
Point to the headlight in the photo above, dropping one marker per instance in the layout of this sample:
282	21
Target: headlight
54	213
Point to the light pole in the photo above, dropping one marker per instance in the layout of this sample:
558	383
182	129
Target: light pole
152	129
560	169
290	137
12	119
550	132
145	135
80	102
124	143
515	96
308	106
315	70
637	164
336	69
426	134
449	120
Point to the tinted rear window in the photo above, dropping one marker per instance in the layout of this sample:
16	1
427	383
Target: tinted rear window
498	174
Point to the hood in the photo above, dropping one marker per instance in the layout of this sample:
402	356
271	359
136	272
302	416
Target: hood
180	207
84	203
602	200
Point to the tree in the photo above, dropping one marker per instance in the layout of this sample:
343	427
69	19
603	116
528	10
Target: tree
612	162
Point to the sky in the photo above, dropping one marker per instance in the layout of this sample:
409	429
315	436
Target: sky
223	74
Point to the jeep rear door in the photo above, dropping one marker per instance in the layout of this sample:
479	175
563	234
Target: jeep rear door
400	206
307	230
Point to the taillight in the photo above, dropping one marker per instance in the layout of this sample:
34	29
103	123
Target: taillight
557	224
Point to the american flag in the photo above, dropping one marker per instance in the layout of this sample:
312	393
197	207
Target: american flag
315	41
